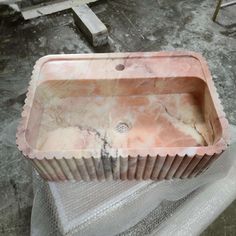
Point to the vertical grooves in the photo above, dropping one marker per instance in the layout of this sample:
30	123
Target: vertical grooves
41	169
64	166
82	169
150	162
123	167
99	168
212	159
183	165
57	168
132	163
140	167
191	166
107	167
38	170
115	164
46	165
73	168
200	165
174	166
157	167
90	168
166	167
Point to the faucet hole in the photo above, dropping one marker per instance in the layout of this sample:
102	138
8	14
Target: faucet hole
122	127
120	67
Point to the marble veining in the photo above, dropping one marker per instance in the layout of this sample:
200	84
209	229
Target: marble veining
83	111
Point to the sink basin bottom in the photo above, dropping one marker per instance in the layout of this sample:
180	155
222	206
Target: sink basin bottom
141	121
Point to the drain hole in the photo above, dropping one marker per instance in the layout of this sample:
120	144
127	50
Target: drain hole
122	127
120	67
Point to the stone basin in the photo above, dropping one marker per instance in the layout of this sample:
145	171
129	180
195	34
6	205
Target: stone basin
122	116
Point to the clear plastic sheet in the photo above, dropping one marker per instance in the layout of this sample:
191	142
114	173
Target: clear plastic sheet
121	207
201	209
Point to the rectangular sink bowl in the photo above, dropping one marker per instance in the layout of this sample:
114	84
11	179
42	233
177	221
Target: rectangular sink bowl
122	116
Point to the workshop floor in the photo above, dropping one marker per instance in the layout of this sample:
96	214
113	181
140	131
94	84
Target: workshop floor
134	25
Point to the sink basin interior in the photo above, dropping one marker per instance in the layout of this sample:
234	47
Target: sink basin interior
122	113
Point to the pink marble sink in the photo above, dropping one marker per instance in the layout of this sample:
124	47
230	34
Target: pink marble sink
122	116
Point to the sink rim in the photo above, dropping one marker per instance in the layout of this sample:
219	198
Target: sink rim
33	153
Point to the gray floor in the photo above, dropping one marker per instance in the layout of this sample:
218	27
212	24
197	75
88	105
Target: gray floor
152	25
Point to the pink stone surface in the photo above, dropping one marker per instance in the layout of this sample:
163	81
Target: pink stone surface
122	116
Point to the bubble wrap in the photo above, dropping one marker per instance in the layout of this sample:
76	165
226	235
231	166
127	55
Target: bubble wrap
135	207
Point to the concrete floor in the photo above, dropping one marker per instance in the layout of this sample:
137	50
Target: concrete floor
152	25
